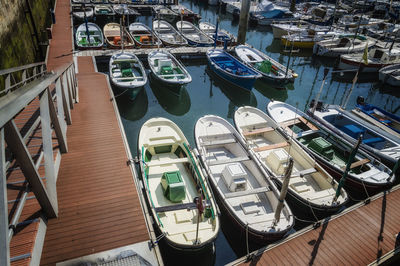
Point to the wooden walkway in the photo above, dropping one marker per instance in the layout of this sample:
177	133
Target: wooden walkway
98	204
360	236
99	207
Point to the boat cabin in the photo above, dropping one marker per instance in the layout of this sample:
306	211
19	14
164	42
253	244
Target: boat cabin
384	55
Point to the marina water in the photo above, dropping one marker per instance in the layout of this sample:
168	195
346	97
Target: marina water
208	94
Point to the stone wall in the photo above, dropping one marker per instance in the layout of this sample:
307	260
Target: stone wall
17	44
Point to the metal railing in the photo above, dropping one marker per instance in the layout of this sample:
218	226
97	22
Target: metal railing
50	98
18	76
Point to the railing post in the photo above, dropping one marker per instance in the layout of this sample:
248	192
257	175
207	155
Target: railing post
65	98
70	88
4	245
75	82
59	124
21	153
48	148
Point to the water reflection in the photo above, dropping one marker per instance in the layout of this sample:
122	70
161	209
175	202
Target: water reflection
271	93
237	96
176	101
133	110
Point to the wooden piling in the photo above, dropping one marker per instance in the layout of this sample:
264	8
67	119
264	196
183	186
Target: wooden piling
243	21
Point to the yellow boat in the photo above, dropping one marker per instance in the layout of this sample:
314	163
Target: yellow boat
306	40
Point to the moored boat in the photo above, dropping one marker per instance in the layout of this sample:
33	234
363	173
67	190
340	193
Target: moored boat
181	203
144	36
271	70
185	13
222	35
103	10
89	35
311	188
167	69
193	35
331	151
123	9
168	34
231	69
80	12
343	44
375	59
247	195
306	39
376	115
127	71
390	75
164	13
112	34
375	141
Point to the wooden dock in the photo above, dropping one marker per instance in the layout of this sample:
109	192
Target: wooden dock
362	234
99	207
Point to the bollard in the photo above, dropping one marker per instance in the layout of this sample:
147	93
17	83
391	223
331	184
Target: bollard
53	16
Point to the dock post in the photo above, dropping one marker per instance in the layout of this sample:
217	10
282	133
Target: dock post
243	21
292	5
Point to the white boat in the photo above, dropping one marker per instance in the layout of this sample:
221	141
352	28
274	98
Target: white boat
193	35
271	70
306	39
181	203
311	188
222	36
292	27
186	14
95	39
80	12
167	69
332	151
112	34
390	75
234	7
247	195
123	9
376	59
143	36
127	71
164	13
168	34
103	10
343	44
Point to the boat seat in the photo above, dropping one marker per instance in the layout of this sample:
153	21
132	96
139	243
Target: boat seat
373	140
352	130
182	206
358	163
249	207
219	142
246	192
169	161
299	185
230	160
257	131
271	147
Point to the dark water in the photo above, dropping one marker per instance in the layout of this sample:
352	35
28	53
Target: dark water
207	94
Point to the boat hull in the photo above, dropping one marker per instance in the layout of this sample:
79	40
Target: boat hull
258	237
298	44
347	64
305	210
246	84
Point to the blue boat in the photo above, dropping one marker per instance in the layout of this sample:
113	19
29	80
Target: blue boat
387	119
231	69
375	141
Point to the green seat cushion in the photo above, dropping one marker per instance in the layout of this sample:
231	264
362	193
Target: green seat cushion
173	186
166	70
127	72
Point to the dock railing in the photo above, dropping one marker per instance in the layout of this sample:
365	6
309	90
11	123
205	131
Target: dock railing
42	101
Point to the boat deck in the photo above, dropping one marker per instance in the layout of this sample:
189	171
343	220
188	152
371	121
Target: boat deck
365	234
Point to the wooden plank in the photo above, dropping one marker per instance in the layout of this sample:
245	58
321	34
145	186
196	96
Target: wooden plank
290	122
4	244
271	147
230	160
258	131
308	123
358	163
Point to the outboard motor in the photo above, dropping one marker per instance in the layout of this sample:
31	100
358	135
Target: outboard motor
360	100
319	105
